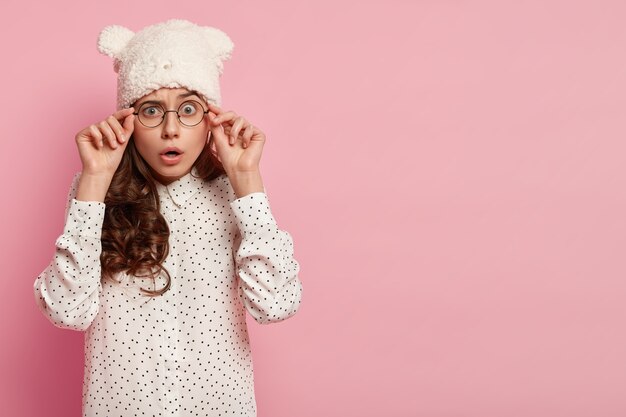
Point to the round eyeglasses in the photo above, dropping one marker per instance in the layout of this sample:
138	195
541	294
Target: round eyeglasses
190	113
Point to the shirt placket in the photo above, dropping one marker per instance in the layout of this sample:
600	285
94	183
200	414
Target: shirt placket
171	354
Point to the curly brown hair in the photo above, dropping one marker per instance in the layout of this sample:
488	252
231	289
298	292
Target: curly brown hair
135	234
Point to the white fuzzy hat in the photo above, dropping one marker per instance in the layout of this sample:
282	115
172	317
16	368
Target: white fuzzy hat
175	54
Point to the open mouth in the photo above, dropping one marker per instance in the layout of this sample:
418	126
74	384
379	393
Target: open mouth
171	153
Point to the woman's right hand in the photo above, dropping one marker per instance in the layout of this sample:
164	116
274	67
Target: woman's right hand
102	145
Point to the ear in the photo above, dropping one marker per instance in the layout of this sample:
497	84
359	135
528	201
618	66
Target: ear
221	45
113	39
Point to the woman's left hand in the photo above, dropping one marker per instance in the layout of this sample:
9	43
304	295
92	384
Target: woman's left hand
238	143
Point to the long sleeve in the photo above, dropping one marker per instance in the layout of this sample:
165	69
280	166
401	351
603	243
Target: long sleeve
67	291
269	286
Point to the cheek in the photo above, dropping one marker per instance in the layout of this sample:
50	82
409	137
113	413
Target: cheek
144	146
201	141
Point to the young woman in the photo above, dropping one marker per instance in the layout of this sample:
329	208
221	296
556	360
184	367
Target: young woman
169	238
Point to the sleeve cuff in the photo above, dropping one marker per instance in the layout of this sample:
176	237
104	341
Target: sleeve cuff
85	218
252	211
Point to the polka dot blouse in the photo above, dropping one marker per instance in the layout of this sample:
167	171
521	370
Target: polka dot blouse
187	352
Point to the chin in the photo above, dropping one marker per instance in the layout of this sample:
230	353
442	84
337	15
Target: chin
171	172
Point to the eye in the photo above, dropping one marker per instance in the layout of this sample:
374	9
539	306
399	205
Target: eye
188	108
152	111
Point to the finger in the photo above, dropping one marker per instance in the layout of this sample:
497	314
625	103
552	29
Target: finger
247	135
228	129
117	128
97	136
129	125
234	133
128	122
225	117
218	130
215	108
108	132
228	132
120	114
212	117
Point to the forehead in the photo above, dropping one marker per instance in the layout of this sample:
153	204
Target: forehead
167	93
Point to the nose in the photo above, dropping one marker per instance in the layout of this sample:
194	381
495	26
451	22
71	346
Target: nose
170	125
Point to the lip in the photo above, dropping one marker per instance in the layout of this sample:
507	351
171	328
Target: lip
171	148
171	161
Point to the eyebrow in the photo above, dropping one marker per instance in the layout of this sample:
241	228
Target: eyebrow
191	93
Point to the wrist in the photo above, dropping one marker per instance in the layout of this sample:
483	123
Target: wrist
246	182
92	187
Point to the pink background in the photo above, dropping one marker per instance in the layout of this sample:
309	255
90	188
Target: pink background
452	174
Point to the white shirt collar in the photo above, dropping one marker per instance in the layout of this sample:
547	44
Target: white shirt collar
180	190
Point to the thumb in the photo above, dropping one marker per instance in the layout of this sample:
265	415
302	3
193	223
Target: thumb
216	129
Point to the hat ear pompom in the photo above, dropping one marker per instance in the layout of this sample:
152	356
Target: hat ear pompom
220	43
113	39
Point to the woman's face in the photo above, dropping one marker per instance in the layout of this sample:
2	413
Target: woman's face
151	143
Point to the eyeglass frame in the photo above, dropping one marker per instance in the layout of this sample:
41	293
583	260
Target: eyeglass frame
167	111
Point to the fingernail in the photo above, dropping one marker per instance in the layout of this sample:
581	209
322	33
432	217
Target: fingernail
123	138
